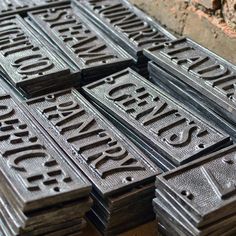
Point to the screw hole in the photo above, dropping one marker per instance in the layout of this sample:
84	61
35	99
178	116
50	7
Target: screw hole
50	97
56	189
201	145
187	194
129	179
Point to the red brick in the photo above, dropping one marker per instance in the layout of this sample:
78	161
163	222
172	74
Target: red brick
229	12
209	4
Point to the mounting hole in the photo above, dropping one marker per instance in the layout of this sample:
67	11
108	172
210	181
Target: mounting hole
57	189
50	96
187	194
109	80
129	179
201	145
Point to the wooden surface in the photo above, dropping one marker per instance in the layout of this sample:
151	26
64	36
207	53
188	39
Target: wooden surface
148	229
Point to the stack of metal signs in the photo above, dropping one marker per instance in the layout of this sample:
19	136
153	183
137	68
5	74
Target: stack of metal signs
206	79
127	26
40	193
122	176
9	7
167	130
59	154
192	99
199	198
90	50
28	63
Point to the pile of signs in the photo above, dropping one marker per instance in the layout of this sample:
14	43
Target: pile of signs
198	77
27	61
165	129
196	102
52	145
199	198
81	43
122	176
40	194
127	26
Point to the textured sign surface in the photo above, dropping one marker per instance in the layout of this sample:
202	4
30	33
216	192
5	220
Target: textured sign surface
198	67
169	128
206	187
35	172
107	158
76	37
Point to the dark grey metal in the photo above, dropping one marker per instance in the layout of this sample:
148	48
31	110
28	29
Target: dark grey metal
167	127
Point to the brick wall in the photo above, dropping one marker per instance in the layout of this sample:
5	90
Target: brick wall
212	23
